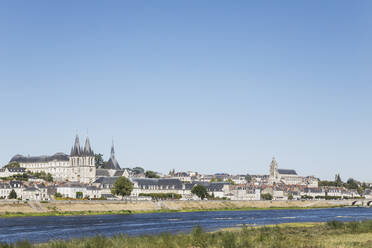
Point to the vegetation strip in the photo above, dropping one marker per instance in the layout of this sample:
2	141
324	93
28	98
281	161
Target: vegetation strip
294	235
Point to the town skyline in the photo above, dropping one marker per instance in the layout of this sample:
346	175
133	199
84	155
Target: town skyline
107	157
195	86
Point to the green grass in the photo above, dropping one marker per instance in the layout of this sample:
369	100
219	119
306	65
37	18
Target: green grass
298	235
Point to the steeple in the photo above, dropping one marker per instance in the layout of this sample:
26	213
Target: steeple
87	149
76	150
112	150
112	163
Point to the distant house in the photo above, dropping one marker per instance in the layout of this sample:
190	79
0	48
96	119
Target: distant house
159	185
35	193
244	192
7	187
7	172
70	189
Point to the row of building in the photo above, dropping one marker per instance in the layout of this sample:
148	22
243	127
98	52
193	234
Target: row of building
76	175
101	189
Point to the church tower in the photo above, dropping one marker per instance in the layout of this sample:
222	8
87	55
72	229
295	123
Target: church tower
82	162
75	153
273	171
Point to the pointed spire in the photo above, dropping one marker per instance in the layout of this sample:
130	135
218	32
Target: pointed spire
112	163
76	150
87	149
112	149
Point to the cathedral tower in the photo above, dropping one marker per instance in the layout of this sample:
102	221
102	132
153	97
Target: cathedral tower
82	162
273	171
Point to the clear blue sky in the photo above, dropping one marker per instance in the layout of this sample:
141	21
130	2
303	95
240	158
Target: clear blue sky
212	86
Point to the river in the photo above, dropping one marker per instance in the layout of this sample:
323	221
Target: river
42	229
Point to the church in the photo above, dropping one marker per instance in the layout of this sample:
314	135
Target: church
286	176
79	166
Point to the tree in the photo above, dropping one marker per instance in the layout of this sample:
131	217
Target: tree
230	181
151	174
199	191
248	178
13	165
214	180
122	186
267	197
12	195
49	177
352	184
138	170
98	160
338	180
290	196
79	195
57	195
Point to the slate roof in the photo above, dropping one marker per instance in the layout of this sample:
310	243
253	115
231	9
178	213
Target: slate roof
118	173
287	172
72	185
102	173
216	186
92	188
77	151
87	149
20	170
211	187
112	163
106	180
40	159
16	184
32	188
159	182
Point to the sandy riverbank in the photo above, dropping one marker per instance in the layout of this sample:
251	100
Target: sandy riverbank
96	207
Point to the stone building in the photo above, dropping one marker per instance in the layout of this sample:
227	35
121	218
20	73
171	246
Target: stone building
7	172
78	167
289	176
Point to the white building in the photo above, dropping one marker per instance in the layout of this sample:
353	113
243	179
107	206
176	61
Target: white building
239	179
70	189
7	172
78	167
38	193
160	185
243	193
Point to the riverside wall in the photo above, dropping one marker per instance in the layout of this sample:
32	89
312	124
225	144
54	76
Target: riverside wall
148	206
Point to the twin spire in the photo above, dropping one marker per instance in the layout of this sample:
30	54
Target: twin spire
77	151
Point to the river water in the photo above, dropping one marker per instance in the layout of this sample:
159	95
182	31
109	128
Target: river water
42	229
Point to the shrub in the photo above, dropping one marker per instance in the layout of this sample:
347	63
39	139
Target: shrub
334	224
157	196
229	240
58	195
266	197
199	238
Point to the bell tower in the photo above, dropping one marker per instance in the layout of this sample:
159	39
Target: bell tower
83	168
273	171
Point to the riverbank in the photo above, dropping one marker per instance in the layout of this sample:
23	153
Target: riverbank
58	208
328	235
